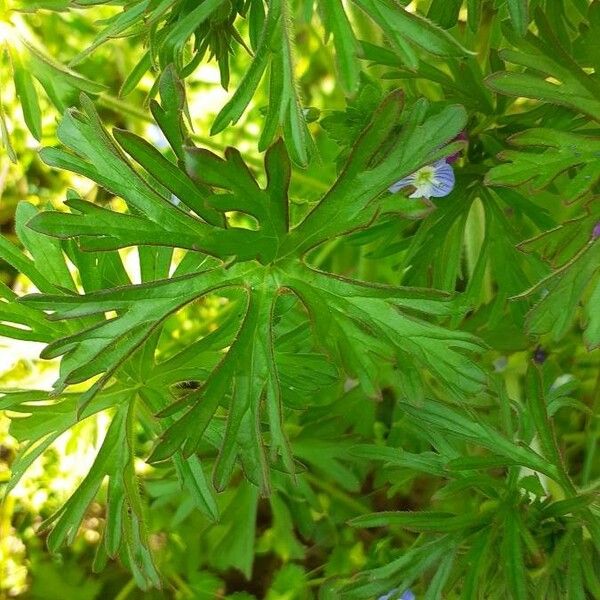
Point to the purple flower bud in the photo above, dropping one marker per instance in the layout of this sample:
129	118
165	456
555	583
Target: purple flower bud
463	136
539	355
596	231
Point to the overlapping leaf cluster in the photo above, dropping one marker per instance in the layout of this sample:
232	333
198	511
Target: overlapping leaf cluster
213	28
25	60
356	323
343	362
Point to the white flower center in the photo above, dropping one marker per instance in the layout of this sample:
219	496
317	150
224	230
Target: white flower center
425	176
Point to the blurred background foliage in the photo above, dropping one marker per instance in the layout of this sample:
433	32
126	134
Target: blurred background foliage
298	544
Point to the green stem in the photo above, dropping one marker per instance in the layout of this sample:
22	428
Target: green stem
126	590
334	492
484	35
591	435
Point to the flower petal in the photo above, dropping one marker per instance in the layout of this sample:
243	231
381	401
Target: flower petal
405	182
445	180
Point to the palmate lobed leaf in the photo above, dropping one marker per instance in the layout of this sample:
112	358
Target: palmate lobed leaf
239	366
356	323
572	290
559	244
561	293
544	56
550	154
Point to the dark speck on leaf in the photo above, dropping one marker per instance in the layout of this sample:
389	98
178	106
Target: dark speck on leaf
540	355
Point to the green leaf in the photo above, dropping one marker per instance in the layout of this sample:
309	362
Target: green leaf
439	580
13	256
574	88
445	12
28	97
136	75
568	506
179	34
447	420
402	571
235	107
402	26
4	135
477	562
41	424
343	311
167	174
349	204
61	84
99	158
108	462
233	540
536	401
425	462
360	325
559	244
512	556
519	15
169	115
559	295
335	22
284	110
329	458
114	27
420	521
551	153
47	253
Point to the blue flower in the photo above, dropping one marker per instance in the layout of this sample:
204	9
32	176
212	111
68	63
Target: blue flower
406	595
432	181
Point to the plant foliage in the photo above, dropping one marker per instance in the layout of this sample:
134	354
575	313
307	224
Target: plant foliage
289	364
